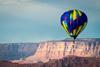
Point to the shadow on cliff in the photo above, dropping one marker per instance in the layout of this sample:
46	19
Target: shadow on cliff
71	61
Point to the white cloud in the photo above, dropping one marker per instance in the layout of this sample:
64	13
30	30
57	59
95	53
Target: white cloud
13	2
36	12
7	2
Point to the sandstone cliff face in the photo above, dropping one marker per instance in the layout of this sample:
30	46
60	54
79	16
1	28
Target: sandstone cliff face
64	53
59	49
15	51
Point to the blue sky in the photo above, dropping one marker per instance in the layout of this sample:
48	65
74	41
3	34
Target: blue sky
39	20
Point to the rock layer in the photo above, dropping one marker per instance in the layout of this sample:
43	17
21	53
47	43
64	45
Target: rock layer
16	51
59	49
64	62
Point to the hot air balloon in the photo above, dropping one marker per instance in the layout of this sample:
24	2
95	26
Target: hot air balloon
74	22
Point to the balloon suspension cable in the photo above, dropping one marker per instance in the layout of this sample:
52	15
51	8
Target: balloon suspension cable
74	39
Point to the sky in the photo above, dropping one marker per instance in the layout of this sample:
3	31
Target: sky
39	20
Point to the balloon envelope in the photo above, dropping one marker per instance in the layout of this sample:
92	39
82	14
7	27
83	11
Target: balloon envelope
74	22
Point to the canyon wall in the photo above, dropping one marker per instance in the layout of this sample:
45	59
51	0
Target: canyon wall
61	53
16	51
59	49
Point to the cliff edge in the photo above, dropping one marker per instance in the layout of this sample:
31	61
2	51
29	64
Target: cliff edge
63	48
